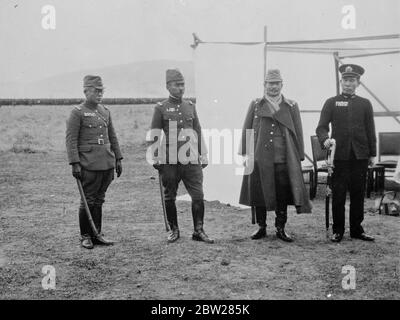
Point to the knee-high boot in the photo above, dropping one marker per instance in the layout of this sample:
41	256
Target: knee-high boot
198	222
97	215
172	218
85	229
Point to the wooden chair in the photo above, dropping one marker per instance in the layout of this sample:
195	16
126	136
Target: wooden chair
319	162
310	171
388	146
375	179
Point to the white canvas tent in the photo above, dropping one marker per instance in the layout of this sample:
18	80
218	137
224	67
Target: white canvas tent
228	75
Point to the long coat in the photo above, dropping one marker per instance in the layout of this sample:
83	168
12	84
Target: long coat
258	187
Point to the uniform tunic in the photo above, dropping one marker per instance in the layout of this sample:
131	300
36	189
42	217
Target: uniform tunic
178	120
353	128
91	141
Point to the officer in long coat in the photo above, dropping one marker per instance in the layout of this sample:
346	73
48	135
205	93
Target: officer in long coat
273	149
93	153
181	155
353	128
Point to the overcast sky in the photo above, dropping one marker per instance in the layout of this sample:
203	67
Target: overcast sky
97	33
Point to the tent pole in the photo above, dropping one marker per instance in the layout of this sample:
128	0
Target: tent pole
265	52
336	58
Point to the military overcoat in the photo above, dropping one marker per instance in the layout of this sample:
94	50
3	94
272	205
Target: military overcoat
258	187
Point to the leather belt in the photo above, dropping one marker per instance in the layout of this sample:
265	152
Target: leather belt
96	141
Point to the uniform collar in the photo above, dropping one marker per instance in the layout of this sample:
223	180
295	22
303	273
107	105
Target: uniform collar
90	105
348	96
174	100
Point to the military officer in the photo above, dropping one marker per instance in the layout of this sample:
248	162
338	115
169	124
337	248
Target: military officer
93	152
353	128
181	155
275	152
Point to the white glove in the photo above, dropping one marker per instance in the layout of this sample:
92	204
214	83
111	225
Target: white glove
328	143
248	160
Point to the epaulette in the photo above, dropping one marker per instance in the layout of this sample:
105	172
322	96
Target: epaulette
104	106
78	107
160	103
291	103
191	102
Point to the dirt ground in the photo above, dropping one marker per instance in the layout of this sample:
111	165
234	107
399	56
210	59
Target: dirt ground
39	226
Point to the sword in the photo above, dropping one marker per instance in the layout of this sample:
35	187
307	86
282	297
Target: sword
88	214
163	202
329	162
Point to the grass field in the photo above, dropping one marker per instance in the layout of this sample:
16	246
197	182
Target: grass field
42	128
39	226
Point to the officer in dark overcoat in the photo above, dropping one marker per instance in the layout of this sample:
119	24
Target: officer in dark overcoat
273	151
353	128
180	155
93	152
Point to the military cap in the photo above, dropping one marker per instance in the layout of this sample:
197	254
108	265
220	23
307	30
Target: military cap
351	70
92	81
173	75
273	75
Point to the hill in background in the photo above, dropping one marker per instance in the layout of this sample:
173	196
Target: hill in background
138	79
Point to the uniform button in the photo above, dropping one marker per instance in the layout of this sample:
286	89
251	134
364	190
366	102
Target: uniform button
90	125
178	105
180	121
100	126
101	135
273	125
270	140
255	116
180	112
271	132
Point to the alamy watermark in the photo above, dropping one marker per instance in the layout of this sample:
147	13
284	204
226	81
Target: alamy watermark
184	146
49	280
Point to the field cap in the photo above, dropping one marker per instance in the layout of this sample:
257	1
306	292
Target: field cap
273	75
173	75
92	81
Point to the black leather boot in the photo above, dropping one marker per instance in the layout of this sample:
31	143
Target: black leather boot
261	218
280	221
198	221
84	227
84	222
172	218
281	234
97	215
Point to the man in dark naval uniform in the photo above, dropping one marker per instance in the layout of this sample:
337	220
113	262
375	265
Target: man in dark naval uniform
274	151
181	154
93	152
353	128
